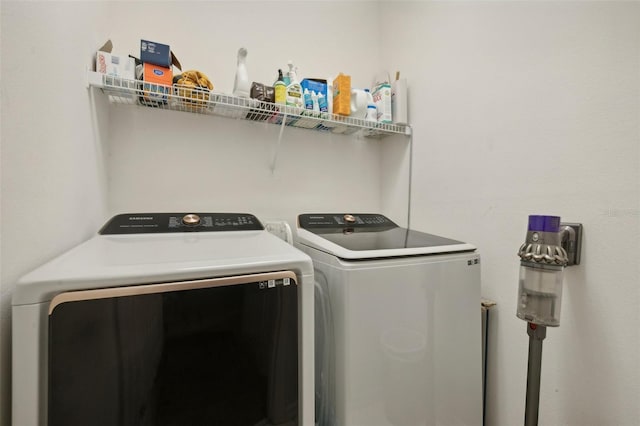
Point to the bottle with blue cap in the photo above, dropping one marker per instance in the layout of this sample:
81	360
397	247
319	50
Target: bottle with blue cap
372	110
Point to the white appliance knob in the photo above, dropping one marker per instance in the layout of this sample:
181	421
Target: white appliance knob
191	219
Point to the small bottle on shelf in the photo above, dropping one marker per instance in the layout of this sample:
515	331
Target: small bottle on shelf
280	89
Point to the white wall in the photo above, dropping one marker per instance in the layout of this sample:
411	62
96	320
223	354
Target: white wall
525	108
488	80
165	161
70	160
53	183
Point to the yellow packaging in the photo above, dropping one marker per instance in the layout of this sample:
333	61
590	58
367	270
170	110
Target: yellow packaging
280	92
342	94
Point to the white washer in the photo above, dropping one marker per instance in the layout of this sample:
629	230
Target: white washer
398	323
167	319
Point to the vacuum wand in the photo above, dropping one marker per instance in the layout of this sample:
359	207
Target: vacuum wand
536	333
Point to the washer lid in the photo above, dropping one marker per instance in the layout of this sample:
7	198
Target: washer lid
150	255
364	236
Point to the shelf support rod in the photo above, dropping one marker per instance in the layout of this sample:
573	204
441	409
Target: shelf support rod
277	149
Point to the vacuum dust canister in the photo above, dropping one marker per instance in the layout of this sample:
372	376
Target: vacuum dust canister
542	262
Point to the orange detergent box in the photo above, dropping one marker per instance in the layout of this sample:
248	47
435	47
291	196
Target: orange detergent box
157	83
342	94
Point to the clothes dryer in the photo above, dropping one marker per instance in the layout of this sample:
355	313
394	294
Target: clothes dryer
167	319
398	323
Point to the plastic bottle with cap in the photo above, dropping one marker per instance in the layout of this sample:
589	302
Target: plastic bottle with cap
372	110
358	103
308	101
372	113
280	89
323	106
369	96
316	104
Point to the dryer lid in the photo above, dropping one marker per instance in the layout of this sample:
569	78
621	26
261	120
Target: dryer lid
150	248
360	236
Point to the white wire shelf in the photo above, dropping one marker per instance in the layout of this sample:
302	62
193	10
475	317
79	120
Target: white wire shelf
199	101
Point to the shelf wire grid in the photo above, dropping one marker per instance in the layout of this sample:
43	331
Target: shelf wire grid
202	101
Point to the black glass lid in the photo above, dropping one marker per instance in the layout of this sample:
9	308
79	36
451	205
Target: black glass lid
358	232
155	223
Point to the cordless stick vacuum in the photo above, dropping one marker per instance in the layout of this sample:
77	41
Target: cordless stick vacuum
549	247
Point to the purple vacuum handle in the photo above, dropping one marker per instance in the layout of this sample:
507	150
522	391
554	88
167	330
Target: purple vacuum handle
544	223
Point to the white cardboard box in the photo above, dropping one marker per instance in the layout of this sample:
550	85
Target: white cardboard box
114	65
382	98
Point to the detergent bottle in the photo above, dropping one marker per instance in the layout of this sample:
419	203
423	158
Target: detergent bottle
280	89
316	103
308	101
323	105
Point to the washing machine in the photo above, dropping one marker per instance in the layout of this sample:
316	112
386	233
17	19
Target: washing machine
167	319
398	323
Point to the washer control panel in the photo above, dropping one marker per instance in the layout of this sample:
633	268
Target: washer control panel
342	220
157	223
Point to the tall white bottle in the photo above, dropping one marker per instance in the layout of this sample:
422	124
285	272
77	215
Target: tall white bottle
399	100
241	86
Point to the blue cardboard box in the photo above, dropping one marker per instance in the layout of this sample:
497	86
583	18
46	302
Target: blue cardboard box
157	54
316	85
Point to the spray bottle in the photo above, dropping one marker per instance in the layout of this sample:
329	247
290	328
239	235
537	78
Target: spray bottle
241	86
294	89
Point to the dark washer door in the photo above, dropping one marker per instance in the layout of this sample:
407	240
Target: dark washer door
210	352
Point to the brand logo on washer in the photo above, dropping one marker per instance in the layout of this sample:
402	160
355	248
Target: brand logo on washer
140	217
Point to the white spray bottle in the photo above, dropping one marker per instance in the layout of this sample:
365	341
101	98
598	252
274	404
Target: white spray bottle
241	86
295	96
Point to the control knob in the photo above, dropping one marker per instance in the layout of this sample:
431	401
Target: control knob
191	219
349	218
